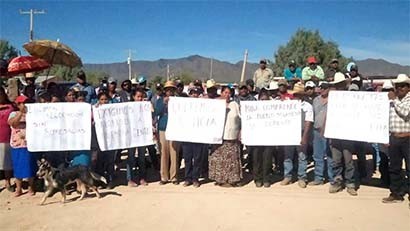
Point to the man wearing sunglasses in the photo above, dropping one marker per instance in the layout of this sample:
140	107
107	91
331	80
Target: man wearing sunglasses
312	71
399	139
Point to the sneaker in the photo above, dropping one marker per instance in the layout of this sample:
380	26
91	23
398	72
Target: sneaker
132	184
392	199
286	181
175	182
352	191
258	184
196	184
266	184
334	188
186	184
315	183
302	183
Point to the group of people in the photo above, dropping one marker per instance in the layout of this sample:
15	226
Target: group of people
224	163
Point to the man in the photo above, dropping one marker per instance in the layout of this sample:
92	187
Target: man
142	83
353	75
310	88
251	87
159	92
399	139
283	90
180	89
342	150
331	71
312	71
212	89
262	75
321	148
244	94
125	93
307	120
82	85
30	90
112	90
293	73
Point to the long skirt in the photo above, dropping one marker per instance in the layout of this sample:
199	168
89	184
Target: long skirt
5	157
24	163
225	163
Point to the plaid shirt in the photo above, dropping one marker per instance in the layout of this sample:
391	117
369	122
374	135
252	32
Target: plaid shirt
400	115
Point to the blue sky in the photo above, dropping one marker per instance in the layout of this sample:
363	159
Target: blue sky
103	31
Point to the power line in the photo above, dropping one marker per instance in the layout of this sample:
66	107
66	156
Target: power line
32	12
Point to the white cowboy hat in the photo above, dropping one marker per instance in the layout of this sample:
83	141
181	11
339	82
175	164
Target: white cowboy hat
387	85
402	78
338	78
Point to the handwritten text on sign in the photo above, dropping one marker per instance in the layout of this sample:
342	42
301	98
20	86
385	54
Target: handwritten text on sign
196	120
58	126
123	125
360	116
271	122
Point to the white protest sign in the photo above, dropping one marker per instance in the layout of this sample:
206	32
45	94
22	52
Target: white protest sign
196	120
359	116
271	122
123	125
58	126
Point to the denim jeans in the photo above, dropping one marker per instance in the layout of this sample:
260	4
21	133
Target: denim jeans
321	151
192	153
343	162
130	164
302	161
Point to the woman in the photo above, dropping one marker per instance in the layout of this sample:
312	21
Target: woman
224	162
6	164
69	96
169	149
24	163
104	159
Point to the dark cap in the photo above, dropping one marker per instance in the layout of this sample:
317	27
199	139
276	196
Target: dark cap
250	82
159	86
81	75
262	61
292	64
334	61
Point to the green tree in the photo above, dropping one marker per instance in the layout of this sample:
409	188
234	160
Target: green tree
305	43
7	51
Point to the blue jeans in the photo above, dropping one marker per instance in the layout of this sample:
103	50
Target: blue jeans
321	151
302	162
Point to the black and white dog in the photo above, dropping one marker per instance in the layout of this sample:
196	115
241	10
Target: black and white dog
56	179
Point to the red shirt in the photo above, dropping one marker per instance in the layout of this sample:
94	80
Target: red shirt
285	96
5	130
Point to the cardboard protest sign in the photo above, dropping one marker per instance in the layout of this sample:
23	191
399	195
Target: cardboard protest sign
359	116
271	122
196	120
58	126
123	125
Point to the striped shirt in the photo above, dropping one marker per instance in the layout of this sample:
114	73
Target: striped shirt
400	115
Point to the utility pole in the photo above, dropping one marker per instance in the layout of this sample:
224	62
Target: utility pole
245	60
211	71
32	12
129	61
167	72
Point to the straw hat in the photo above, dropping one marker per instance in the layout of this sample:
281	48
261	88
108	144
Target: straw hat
298	88
170	84
210	83
29	75
387	85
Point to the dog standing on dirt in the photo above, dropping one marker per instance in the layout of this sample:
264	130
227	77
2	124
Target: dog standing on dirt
56	179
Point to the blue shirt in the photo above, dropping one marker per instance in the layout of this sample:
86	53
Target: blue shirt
289	75
161	111
88	88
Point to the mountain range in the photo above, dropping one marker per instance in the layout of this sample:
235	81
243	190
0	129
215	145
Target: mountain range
199	67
